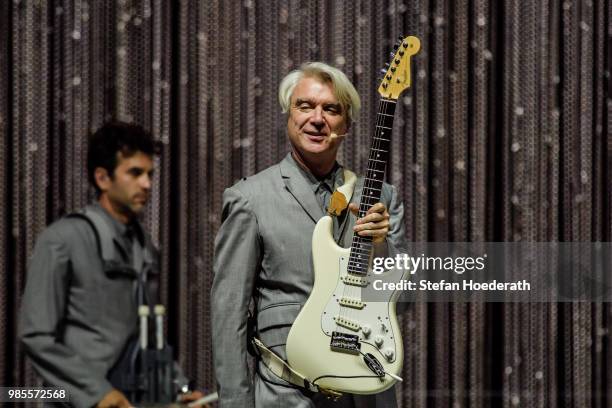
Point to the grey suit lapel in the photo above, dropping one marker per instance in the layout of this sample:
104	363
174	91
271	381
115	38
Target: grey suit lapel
357	191
299	189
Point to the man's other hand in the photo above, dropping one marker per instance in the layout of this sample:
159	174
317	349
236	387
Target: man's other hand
193	396
114	399
375	224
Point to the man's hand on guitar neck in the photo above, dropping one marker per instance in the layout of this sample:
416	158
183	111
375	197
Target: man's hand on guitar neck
375	224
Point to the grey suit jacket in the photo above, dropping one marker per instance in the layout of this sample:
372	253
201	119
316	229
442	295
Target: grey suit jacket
76	317
263	251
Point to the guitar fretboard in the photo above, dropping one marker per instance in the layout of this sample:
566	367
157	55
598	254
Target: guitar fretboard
361	247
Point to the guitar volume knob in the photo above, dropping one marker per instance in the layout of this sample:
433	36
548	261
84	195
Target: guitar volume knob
366	331
378	341
389	354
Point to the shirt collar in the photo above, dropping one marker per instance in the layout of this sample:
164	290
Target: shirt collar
120	229
332	180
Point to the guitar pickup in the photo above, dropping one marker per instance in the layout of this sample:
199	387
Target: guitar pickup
349	324
354	281
354	303
345	343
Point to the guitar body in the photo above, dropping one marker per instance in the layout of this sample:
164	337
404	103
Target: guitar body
308	344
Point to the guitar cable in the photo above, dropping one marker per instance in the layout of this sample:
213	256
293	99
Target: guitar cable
372	363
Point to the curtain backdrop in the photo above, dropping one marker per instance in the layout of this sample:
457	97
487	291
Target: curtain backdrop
504	136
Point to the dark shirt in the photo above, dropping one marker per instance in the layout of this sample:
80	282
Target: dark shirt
323	188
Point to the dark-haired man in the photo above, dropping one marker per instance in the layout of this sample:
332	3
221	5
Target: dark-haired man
89	273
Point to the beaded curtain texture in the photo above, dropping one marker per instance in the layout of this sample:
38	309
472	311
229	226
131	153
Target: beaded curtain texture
504	136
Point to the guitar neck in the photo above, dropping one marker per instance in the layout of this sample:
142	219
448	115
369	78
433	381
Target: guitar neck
361	247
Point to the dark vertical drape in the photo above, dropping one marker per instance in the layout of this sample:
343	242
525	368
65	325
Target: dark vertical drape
504	136
7	315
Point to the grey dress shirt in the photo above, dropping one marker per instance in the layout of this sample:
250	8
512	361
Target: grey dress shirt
77	316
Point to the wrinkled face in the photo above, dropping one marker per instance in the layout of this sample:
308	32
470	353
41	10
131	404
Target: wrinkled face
129	187
314	115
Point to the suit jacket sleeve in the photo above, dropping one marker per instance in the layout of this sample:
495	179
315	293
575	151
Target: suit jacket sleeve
236	265
396	238
42	314
397	230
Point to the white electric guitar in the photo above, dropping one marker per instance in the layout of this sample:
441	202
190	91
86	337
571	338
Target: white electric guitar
338	341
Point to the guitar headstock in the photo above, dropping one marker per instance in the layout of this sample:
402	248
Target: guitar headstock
397	75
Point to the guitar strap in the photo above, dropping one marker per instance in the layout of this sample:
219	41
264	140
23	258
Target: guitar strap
280	368
338	203
342	195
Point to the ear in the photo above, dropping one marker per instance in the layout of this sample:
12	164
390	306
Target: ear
102	178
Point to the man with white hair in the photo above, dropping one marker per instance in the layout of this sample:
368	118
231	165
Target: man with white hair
263	248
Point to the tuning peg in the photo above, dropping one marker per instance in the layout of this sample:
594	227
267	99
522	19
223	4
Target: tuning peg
392	55
401	53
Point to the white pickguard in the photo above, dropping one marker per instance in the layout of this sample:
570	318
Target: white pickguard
373	317
308	345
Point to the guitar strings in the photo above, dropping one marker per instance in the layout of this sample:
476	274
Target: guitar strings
365	204
355	292
370	182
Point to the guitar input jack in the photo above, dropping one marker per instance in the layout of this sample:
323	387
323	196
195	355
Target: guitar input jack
377	368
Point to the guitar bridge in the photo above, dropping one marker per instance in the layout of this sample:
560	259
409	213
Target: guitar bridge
345	343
